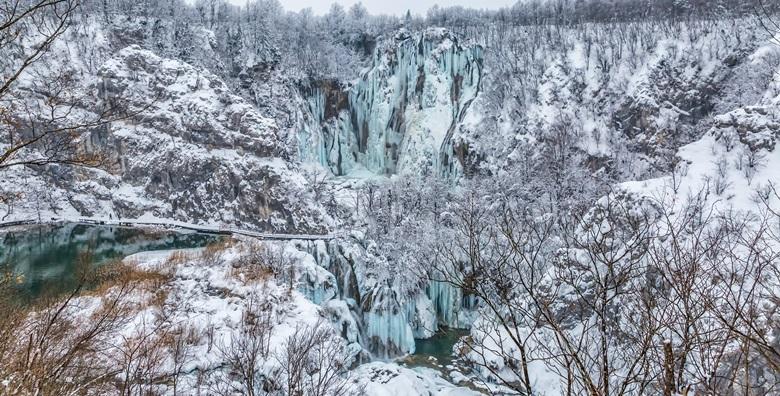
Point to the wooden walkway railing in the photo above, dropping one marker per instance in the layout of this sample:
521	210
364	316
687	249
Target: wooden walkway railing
178	225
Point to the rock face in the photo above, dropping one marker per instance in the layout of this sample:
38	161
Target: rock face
400	115
757	127
194	152
200	148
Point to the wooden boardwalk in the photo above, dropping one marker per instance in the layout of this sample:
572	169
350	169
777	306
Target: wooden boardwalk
184	226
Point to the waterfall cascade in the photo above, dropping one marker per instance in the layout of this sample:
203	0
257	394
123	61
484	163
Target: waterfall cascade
371	314
399	116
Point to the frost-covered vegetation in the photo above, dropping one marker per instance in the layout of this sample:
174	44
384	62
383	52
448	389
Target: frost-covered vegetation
589	188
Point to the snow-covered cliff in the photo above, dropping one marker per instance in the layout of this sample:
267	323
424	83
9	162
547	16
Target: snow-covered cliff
192	151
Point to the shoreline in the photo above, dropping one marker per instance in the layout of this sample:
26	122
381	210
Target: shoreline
167	225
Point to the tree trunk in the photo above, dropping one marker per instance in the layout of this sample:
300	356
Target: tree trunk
669	386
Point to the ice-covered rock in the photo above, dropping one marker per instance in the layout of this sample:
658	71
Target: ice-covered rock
398	117
387	379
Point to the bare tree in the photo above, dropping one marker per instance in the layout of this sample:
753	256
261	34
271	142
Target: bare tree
596	305
766	13
141	357
481	261
48	351
683	262
260	262
180	340
568	292
44	113
18	20
314	363
746	302
38	130
249	348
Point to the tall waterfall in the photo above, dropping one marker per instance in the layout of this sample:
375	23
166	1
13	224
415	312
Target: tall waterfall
399	116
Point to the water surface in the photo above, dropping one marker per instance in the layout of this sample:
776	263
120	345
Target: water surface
435	352
46	255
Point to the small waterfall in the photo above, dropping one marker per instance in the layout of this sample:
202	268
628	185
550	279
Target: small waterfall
373	314
452	309
387	327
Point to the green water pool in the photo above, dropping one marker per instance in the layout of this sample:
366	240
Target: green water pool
46	255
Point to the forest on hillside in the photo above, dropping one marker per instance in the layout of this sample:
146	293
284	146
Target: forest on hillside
573	197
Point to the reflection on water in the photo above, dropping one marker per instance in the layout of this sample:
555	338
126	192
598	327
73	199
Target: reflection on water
46	255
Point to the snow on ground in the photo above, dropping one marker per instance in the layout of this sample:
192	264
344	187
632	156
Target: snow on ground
733	164
210	292
733	161
390	379
215	298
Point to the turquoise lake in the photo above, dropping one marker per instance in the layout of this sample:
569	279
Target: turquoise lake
46	255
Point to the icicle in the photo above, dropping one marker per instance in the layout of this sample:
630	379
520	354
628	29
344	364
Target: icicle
382	128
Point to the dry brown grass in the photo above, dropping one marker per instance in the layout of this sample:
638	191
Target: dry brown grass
252	274
119	272
177	258
212	253
256	264
61	343
151	285
50	348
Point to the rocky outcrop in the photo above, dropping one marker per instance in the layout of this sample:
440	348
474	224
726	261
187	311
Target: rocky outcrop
191	151
757	127
200	150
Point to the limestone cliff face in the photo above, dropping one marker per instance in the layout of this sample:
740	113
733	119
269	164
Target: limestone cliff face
398	117
195	152
199	150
